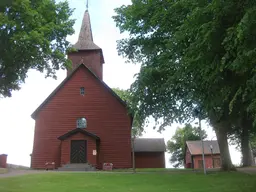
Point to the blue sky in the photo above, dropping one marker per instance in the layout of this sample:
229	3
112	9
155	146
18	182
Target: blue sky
16	125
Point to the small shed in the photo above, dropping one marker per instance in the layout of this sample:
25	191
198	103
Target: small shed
3	161
149	152
193	158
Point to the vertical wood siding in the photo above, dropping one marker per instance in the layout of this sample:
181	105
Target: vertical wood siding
149	160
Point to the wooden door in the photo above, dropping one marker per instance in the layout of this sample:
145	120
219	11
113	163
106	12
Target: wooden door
216	162
200	164
78	152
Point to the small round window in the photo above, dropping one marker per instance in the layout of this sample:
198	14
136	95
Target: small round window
81	123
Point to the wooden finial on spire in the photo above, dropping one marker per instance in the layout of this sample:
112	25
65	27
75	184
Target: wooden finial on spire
87	5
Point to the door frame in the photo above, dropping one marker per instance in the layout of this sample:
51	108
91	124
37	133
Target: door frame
85	151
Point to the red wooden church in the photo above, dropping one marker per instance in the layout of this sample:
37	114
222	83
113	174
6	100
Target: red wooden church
84	122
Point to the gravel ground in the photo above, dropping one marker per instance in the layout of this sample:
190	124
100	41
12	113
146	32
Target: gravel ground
249	170
15	172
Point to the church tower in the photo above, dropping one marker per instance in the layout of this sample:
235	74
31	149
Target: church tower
87	52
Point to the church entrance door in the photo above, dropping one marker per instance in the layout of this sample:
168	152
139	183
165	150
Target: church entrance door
78	152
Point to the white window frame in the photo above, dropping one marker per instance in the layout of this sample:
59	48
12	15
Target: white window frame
82	91
81	123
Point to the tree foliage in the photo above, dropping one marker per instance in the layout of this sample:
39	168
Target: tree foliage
138	123
32	36
193	53
177	145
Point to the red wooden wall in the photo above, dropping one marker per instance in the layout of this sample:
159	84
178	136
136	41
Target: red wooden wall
3	161
208	160
92	59
66	146
188	160
149	160
106	117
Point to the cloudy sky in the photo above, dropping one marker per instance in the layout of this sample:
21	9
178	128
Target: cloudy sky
16	124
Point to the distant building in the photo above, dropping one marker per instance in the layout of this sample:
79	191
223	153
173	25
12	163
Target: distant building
193	158
149	153
83	121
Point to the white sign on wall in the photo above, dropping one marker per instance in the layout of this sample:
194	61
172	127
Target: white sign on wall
94	152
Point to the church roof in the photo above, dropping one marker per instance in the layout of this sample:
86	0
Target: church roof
85	39
195	147
149	145
75	131
34	114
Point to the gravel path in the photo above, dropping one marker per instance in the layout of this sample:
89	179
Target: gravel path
248	170
13	173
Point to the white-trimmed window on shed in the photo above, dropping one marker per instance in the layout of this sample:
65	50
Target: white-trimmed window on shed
82	91
81	123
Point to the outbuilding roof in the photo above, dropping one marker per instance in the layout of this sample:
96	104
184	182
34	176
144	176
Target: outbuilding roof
149	145
195	147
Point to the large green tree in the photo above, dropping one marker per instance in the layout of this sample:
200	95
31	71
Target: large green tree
32	36
177	145
138	122
193	54
253	145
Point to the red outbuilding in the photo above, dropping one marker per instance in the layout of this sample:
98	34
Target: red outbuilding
193	158
3	161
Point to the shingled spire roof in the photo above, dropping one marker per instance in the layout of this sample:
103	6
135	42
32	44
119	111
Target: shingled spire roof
85	39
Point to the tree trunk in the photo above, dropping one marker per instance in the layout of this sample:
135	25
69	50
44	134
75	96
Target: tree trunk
246	124
221	128
226	163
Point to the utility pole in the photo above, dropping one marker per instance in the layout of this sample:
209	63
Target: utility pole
201	135
211	147
133	155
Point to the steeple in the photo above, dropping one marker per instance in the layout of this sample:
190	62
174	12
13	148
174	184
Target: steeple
85	39
87	52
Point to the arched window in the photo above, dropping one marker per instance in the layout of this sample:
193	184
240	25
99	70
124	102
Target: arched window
81	123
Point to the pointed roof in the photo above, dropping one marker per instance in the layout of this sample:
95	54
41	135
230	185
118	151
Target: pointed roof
34	114
75	131
85	39
149	145
195	147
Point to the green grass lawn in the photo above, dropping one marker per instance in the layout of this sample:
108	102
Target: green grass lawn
125	182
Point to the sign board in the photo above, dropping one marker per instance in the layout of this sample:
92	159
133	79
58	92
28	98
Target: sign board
107	166
94	152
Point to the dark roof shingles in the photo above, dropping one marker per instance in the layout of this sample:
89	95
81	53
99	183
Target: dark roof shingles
149	145
75	131
195	147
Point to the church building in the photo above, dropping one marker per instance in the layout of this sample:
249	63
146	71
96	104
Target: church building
84	122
